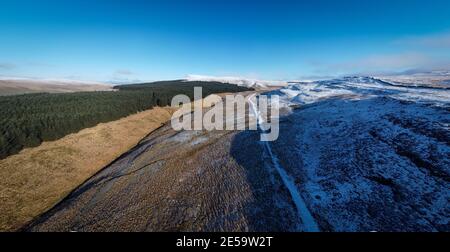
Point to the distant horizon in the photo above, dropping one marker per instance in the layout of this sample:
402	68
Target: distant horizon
141	41
187	77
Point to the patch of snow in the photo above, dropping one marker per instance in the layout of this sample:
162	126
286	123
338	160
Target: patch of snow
199	140
185	136
370	154
237	81
432	78
311	92
308	222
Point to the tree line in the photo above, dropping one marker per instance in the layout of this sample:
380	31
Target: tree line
28	120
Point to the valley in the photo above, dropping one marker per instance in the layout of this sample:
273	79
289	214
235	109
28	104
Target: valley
354	154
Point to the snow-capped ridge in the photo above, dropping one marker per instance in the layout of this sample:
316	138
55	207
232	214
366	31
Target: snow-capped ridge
359	86
237	81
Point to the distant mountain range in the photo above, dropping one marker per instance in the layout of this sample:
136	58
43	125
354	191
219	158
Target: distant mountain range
353	154
254	83
14	86
433	78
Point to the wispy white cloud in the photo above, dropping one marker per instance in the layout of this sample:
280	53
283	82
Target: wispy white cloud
123	76
441	40
419	53
123	72
391	61
383	63
38	64
7	66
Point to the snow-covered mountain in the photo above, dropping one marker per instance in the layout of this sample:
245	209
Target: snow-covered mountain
358	154
431	78
237	81
368	154
358	88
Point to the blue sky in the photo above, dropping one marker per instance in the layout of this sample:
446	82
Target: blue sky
150	40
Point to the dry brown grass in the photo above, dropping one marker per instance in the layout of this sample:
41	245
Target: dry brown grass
37	178
14	87
180	181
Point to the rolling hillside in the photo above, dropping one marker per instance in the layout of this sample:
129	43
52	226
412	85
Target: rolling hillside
29	86
27	120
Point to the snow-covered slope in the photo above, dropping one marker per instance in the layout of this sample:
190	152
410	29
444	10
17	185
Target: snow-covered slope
368	155
358	88
422	79
237	80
